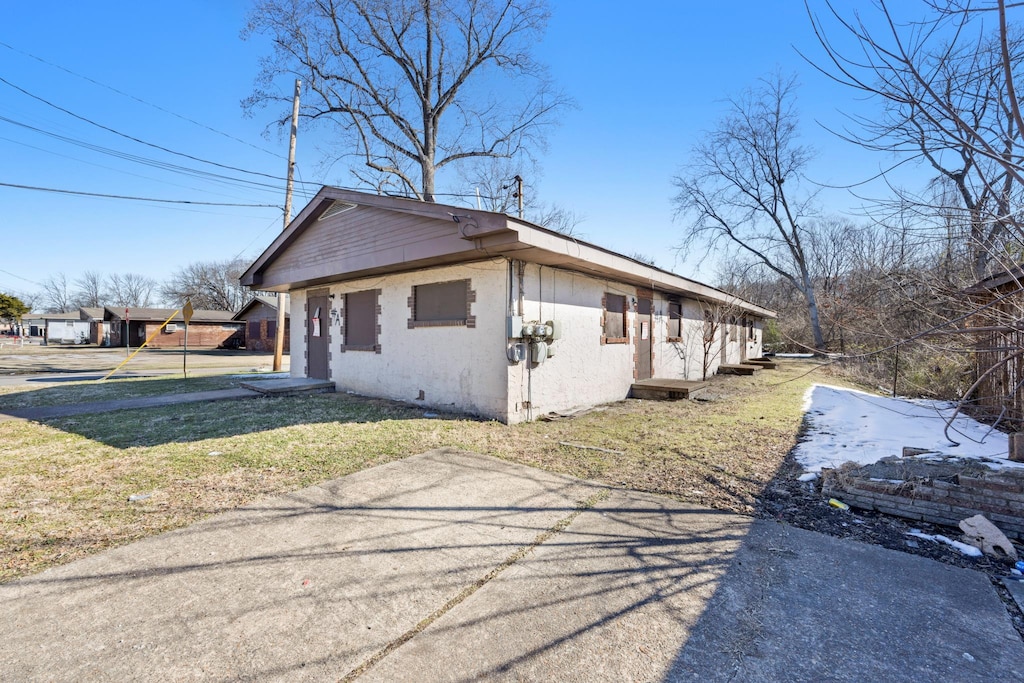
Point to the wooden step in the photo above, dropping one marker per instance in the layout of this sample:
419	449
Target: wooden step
666	389
738	369
766	363
290	386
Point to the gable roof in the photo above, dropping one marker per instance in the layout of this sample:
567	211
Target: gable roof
268	301
392	234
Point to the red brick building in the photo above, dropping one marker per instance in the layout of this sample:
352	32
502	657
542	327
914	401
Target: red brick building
207	329
260	318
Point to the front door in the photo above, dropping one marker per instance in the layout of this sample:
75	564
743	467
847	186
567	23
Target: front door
644	308
318	334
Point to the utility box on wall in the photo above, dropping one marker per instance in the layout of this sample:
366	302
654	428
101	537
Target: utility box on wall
515	327
538	352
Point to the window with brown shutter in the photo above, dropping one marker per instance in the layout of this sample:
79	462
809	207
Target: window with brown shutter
360	322
615	319
442	304
675	320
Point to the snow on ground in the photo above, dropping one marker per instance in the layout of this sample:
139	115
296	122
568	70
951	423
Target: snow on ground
845	425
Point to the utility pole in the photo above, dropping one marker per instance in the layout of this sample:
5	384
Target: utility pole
519	193
281	296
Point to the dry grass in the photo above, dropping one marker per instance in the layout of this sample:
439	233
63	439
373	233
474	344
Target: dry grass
65	485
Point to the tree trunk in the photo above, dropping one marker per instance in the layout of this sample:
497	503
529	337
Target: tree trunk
427	169
812	312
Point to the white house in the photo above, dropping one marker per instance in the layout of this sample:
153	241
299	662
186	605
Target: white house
482	313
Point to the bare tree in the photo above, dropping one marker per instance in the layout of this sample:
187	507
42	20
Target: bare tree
946	88
742	190
56	295
90	289
949	85
212	285
132	289
411	84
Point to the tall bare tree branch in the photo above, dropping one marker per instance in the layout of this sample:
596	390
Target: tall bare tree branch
411	84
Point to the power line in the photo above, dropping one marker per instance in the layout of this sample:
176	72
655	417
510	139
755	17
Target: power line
137	99
126	156
146	161
136	199
7	272
109	168
132	138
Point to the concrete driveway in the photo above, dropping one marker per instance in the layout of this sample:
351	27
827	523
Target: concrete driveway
451	566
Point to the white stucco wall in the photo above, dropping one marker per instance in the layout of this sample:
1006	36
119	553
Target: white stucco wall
683	357
457	368
583	371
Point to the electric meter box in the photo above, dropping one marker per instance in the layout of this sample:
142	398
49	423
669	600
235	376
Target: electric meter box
515	326
517	353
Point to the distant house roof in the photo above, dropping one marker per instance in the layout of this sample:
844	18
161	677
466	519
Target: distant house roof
456	235
269	301
91	313
159	315
67	315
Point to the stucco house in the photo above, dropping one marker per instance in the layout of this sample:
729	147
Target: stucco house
483	313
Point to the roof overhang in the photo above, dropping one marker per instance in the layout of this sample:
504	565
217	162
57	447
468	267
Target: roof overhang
485	235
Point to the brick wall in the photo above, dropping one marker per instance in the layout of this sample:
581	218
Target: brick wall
946	497
200	335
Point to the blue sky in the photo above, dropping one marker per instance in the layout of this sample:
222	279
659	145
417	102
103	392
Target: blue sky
647	82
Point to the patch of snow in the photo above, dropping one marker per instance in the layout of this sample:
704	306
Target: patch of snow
808	476
846	425
794	355
968	550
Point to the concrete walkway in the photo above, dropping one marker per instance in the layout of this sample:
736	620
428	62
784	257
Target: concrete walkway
289	386
50	412
450	566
